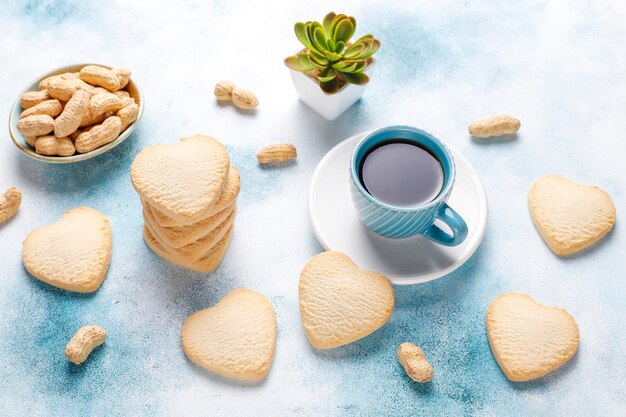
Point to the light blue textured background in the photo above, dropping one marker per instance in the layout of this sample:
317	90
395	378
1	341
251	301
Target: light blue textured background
557	65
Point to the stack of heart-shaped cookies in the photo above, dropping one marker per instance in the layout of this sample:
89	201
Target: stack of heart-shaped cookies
188	191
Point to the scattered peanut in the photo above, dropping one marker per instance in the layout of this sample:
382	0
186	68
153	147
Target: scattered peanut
32	98
415	364
99	135
50	107
53	146
9	203
104	102
277	153
85	340
36	125
73	113
100	76
223	90
244	99
495	126
240	97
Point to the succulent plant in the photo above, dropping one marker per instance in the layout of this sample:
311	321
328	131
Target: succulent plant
329	56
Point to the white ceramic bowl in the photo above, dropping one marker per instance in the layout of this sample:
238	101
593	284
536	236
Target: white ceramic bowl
23	146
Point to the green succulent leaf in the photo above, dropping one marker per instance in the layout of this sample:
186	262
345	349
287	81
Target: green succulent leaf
330	87
341	65
327	75
306	58
339	47
308	30
360	66
350	66
319	60
355	78
375	45
332	56
343	31
355	49
328	19
368	36
301	62
330	44
300	30
292	63
308	33
362	49
319	39
334	23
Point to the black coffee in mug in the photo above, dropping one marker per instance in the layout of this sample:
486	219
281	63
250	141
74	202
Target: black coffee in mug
401	173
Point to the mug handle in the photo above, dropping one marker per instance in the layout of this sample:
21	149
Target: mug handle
454	221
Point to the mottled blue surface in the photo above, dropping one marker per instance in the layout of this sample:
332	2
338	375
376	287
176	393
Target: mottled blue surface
559	66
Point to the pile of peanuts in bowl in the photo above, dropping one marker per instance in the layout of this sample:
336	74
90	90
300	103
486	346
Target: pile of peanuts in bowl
77	112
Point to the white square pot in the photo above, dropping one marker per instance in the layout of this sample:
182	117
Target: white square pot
329	106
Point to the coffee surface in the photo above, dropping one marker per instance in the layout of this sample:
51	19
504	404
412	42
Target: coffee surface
401	174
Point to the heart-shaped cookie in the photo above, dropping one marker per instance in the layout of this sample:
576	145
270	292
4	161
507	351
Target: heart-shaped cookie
73	253
235	338
207	263
529	339
179	236
226	200
182	180
570	217
198	249
340	303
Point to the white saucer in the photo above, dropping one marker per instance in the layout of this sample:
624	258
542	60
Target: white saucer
405	261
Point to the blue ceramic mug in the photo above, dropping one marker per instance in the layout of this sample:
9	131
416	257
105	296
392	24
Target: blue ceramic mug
401	222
